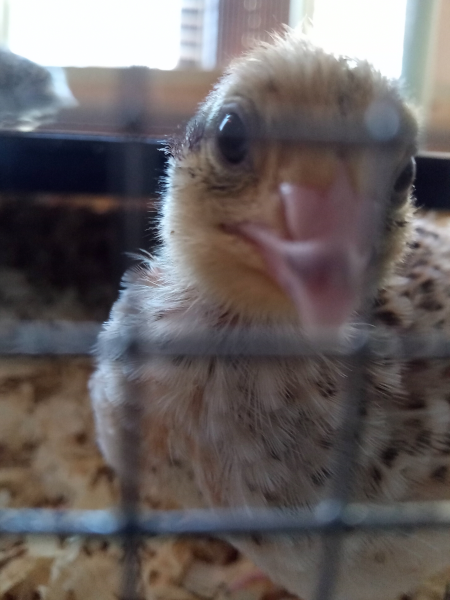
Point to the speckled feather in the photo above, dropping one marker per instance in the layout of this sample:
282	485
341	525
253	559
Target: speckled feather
260	432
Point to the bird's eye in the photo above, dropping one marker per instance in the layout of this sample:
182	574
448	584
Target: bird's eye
232	138
406	177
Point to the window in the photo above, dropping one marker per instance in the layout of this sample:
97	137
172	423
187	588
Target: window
205	33
107	33
370	29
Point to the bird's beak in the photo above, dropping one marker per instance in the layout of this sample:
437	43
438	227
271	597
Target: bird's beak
322	261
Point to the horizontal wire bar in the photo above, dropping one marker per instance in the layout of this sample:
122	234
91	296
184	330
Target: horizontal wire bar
40	337
326	517
78	338
385	129
271	343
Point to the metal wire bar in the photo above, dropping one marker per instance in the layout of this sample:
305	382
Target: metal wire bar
133	111
381	125
40	337
79	338
345	460
327	517
130	448
259	343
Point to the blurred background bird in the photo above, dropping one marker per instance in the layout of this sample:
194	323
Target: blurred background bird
286	209
30	94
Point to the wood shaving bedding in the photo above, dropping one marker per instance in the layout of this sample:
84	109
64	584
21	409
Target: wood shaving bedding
49	459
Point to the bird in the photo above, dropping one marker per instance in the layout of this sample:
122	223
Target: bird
288	207
30	94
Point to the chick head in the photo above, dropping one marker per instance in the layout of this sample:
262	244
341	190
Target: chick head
291	190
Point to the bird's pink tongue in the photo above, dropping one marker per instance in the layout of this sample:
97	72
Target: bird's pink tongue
322	261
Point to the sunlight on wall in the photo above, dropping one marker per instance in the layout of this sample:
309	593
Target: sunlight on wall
370	29
108	33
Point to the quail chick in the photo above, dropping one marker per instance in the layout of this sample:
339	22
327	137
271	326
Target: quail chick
30	94
286	209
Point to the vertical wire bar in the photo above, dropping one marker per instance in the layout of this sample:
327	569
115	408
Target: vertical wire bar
129	489
345	457
345	460
133	117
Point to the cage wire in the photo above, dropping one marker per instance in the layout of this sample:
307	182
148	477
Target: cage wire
332	518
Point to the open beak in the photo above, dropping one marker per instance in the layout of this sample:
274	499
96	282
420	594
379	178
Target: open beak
322	262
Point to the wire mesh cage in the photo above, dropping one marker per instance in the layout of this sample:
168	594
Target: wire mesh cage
131	165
